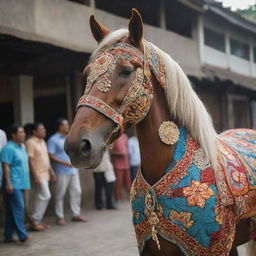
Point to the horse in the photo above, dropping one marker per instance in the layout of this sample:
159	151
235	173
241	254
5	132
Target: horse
195	191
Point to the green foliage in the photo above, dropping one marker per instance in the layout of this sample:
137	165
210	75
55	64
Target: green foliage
249	13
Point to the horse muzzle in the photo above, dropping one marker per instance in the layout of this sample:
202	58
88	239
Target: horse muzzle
86	152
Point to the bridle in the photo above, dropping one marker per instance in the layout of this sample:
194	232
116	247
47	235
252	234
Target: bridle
138	100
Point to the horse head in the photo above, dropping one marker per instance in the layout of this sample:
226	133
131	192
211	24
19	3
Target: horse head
118	91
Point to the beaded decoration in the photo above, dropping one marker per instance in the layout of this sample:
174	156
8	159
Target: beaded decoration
138	100
169	132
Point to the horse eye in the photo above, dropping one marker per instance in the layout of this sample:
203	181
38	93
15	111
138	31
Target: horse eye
125	72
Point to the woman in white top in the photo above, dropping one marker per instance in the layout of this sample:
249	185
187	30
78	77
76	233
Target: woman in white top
104	177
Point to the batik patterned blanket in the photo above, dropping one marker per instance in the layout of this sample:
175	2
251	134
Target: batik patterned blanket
193	206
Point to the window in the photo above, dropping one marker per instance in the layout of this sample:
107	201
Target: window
214	39
239	49
86	2
179	18
149	9
241	113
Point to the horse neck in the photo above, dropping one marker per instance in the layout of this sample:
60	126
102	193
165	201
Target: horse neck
155	155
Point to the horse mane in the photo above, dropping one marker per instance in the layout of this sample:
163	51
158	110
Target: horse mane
184	104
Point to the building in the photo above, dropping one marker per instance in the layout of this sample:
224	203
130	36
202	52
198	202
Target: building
44	45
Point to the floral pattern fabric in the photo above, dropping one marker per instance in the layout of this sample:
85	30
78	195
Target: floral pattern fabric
187	201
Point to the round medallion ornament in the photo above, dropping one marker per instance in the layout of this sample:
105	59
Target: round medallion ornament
169	132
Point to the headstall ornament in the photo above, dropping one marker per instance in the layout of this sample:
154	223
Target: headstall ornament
138	100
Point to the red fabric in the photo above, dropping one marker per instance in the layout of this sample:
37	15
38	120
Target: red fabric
120	146
123	177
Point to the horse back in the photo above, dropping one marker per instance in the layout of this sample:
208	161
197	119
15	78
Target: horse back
237	158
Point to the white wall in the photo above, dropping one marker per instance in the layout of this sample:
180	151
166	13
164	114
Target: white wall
66	24
226	60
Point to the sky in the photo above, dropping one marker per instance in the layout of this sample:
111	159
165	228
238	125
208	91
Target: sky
237	4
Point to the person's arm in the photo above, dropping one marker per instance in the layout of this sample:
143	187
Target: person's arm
9	187
59	161
52	154
52	174
31	154
33	170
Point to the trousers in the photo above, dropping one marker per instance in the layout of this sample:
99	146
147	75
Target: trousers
14	215
72	184
39	202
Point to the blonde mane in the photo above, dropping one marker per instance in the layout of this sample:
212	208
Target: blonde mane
184	104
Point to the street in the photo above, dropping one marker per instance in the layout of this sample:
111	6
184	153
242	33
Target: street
109	233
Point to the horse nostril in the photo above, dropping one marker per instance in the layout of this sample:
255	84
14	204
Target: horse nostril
86	147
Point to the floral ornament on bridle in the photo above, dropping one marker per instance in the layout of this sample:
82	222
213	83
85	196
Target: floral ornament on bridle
138	100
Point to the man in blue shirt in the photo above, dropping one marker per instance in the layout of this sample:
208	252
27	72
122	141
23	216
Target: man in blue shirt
67	175
15	180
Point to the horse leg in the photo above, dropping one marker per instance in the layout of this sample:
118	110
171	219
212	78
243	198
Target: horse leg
233	252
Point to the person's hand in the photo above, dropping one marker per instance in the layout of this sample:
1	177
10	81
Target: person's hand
9	188
68	164
37	181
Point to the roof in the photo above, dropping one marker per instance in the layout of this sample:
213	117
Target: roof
213	73
217	8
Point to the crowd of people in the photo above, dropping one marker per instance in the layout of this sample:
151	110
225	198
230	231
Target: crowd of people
27	159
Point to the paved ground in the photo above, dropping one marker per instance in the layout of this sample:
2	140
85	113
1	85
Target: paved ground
109	233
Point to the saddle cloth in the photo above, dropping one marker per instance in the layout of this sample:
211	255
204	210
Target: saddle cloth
193	205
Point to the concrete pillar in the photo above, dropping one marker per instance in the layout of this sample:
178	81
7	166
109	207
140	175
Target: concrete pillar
92	4
77	84
253	107
251	55
200	37
70	110
23	99
162	18
227	47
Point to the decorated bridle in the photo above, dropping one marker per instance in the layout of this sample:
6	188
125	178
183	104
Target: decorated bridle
138	100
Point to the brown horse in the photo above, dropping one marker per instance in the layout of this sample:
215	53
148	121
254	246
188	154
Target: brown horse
130	83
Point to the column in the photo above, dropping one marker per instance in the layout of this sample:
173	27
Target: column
162	19
23	99
200	37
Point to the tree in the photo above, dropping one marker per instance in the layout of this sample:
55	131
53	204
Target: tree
249	13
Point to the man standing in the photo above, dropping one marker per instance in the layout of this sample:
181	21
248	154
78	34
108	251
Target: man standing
41	171
3	141
16	179
67	175
120	159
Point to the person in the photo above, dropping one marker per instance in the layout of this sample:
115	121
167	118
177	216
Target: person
134	156
3	141
104	177
28	130
67	177
16	179
120	160
42	172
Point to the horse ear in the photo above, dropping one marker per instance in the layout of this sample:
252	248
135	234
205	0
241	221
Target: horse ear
135	28
99	31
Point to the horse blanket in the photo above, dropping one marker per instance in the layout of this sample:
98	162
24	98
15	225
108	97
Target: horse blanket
194	206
